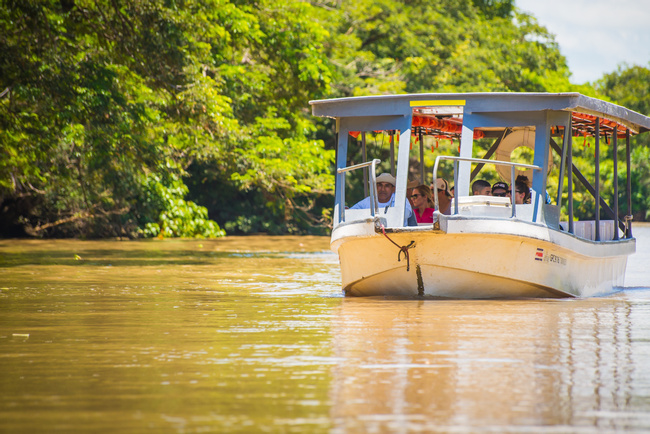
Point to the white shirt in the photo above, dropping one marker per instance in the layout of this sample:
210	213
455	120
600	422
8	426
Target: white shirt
365	204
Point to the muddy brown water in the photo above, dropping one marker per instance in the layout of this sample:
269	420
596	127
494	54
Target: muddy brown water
251	334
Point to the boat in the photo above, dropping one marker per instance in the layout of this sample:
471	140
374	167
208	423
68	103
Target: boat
486	246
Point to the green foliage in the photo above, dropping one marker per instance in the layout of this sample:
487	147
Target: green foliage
392	46
100	98
178	217
495	8
119	118
628	86
640	183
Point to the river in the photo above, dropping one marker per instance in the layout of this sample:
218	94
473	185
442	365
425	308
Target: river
251	334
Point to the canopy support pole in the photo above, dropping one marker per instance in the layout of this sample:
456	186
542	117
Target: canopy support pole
421	140
569	178
392	152
615	161
628	218
365	169
597	181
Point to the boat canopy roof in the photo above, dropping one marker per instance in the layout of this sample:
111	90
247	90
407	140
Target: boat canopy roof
483	103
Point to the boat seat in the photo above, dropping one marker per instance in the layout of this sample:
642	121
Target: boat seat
493	206
484	206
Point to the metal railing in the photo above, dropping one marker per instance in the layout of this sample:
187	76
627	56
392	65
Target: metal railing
483	161
372	182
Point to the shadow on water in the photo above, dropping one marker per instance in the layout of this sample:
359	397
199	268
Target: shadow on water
129	258
152	252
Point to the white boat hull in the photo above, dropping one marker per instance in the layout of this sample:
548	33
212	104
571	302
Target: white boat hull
477	258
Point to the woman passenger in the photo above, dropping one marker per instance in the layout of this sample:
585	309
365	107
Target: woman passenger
522	190
422	204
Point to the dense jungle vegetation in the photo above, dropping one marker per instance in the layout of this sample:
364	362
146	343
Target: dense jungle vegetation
145	118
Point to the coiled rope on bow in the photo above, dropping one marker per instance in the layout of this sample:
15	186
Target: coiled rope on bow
402	249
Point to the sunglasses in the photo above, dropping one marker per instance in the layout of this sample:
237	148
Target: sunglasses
415	196
500	194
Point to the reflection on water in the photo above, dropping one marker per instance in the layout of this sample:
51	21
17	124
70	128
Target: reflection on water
450	365
251	334
637	273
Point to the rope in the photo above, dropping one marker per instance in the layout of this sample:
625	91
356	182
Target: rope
402	249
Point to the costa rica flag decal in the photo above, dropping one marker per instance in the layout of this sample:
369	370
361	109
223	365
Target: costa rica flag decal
539	255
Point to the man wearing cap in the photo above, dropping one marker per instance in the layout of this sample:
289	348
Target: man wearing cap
386	198
444	196
500	189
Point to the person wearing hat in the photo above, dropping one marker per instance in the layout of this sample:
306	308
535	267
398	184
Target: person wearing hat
500	189
386	198
444	196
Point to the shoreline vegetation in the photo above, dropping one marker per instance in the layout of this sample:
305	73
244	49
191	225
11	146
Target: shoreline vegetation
191	119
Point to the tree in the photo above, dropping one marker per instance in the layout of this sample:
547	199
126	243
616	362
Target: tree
391	46
629	86
105	106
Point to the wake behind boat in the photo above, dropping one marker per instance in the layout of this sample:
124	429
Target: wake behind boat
486	246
